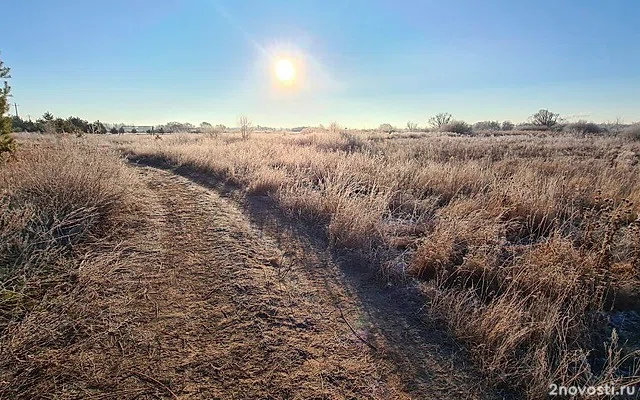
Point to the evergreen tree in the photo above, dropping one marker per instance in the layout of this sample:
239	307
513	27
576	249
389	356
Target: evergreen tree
7	143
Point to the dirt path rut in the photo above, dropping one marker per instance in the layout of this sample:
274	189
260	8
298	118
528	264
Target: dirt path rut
234	322
204	304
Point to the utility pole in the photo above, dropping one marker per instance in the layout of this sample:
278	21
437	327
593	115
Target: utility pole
16	106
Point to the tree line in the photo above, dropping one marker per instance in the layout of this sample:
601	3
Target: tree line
50	124
542	120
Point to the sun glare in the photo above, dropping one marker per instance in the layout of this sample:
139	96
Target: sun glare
285	71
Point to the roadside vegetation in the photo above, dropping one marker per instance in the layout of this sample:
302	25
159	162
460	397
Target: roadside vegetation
527	245
58	203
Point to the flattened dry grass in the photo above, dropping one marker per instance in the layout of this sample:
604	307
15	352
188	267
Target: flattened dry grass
528	240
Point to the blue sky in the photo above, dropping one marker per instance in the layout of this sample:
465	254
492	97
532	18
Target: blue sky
361	63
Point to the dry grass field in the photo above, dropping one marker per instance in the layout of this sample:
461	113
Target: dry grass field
526	247
529	243
317	200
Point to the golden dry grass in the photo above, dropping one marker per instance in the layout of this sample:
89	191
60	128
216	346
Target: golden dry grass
195	301
529	240
54	199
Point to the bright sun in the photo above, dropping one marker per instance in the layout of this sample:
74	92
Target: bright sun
285	71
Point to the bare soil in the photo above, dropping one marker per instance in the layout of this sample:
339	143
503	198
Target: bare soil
219	296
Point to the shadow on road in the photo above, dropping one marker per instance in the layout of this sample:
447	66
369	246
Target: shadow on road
395	319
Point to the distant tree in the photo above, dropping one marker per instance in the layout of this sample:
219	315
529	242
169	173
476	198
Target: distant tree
185	127
174	126
386	128
121	130
17	124
545	118
46	123
412	126
61	126
584	128
20	125
439	120
215	131
134	130
7	143
246	127
76	124
487	126
207	128
507	126
97	128
113	131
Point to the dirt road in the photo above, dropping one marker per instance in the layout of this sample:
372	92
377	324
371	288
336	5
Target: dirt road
210	301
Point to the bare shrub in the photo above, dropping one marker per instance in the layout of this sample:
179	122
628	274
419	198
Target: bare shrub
631	132
352	142
583	128
386	128
245	126
459	127
507	126
334	127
